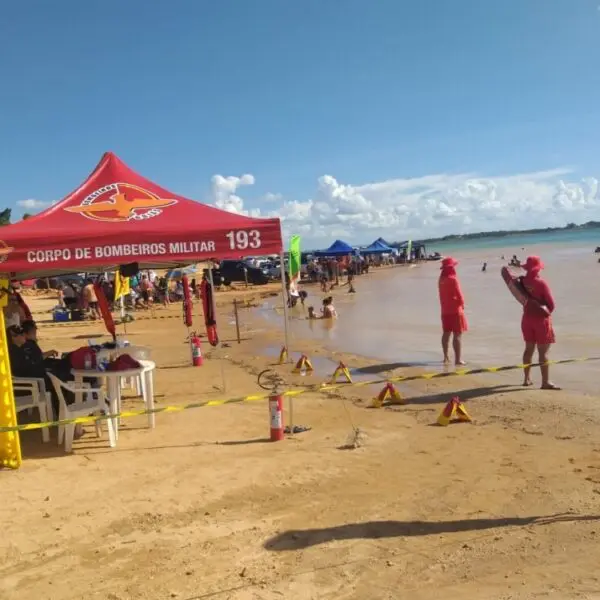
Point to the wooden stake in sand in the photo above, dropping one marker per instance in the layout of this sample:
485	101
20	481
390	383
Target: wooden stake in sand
237	320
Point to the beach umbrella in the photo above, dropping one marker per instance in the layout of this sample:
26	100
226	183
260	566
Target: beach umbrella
180	272
105	311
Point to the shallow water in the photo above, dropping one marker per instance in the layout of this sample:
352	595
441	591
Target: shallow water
394	316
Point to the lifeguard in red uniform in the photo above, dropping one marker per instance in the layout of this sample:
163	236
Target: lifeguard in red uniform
536	324
452	301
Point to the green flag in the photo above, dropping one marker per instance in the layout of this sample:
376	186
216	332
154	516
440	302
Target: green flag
294	260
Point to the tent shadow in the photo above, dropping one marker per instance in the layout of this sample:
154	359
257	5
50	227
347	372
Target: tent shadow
305	538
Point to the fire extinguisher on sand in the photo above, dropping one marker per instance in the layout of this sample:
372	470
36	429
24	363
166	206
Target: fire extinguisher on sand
197	359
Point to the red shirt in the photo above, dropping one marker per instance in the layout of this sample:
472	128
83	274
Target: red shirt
451	298
540	291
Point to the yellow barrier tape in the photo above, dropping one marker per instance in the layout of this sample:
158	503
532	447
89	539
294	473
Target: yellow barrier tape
297	392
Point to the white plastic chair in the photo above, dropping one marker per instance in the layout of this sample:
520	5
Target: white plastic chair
88	401
37	397
141	354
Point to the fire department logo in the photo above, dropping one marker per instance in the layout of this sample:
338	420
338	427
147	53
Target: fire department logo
118	202
5	250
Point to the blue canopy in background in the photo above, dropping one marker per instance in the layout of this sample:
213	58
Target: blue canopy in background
338	248
179	273
377	247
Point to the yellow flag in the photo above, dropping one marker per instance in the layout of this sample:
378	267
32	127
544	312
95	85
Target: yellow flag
121	285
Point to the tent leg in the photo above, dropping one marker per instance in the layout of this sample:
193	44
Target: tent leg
10	447
286	331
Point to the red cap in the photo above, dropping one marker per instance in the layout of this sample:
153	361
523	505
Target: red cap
449	262
533	263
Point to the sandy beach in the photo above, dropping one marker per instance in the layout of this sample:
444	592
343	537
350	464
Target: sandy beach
506	507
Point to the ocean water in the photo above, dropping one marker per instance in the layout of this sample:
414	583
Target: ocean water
579	237
395	317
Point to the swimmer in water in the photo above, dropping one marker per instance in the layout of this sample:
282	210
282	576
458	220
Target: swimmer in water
328	309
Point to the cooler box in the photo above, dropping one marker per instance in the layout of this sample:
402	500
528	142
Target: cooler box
77	315
60	316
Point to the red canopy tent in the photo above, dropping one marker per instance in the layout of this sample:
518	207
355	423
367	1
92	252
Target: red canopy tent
116	217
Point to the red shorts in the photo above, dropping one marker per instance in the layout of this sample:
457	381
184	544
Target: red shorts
455	323
537	331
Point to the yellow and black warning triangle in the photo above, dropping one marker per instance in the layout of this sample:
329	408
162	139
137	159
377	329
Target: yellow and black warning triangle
454	411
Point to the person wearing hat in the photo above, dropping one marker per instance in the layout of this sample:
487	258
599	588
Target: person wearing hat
452	301
536	324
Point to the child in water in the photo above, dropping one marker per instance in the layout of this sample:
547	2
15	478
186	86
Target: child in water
327	312
328	309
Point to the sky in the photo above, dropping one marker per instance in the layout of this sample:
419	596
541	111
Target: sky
348	119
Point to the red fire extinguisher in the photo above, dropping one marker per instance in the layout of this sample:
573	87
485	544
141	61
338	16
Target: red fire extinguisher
197	359
276	413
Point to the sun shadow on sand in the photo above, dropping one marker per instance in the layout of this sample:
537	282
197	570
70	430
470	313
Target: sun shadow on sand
244	442
305	538
465	395
384	367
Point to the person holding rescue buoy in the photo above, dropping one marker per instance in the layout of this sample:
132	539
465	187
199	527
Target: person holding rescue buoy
454	322
536	324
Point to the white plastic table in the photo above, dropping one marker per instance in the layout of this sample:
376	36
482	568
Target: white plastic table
113	385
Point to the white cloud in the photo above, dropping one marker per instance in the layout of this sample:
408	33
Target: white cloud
31	204
423	207
223	191
270	197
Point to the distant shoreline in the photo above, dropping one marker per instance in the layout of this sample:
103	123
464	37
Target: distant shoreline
504	233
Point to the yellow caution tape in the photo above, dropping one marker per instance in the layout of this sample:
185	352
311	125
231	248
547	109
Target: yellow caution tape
292	393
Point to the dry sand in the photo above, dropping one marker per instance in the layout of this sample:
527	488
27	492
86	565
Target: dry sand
205	507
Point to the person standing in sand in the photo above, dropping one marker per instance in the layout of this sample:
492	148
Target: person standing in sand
536	324
454	322
91	300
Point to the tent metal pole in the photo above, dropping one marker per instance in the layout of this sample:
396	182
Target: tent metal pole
286	331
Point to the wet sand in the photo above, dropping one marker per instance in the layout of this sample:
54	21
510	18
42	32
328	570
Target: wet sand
204	507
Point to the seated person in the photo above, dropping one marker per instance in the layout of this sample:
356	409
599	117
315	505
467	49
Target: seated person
14	313
31	346
28	360
18	358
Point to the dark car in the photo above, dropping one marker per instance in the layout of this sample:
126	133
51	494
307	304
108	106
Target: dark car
77	280
231	271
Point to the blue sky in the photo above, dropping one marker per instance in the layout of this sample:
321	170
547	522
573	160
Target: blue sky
290	90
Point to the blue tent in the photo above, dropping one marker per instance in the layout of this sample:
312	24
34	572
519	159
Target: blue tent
377	247
383	242
338	248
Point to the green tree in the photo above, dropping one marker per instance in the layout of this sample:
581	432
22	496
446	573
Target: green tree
26	216
5	216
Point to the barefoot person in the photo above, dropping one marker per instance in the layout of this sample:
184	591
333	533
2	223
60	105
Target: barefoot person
536	323
454	322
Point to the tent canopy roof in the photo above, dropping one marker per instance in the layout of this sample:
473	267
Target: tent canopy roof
377	247
338	248
117	217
